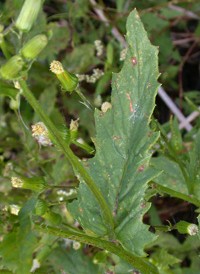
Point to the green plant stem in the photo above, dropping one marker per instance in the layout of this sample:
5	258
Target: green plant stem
84	146
85	100
142	264
177	194
76	163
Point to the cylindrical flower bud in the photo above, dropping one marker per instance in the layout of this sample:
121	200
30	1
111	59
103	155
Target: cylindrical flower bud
34	46
36	183
68	80
10	70
187	228
52	217
74	129
40	207
28	14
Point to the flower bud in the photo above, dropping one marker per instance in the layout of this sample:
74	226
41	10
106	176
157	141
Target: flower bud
40	207
105	107
36	183
187	228
52	217
74	129
14	104
16	182
68	80
14	209
10	70
34	46
28	14
76	245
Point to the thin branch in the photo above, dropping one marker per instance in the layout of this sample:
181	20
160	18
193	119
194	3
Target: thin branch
185	58
185	12
119	37
181	42
190	118
174	109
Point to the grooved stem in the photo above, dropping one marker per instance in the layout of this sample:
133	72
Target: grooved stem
142	264
76	163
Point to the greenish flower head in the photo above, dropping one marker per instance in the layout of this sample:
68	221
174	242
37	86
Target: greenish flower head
11	69
184	227
68	80
40	207
52	217
36	184
34	46
28	14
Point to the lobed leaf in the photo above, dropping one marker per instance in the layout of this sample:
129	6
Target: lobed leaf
123	142
182	178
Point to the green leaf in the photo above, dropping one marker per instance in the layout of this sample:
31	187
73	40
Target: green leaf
171	176
176	139
183	176
47	100
193	167
123	141
59	37
72	262
81	58
8	90
103	83
17	246
163	260
199	226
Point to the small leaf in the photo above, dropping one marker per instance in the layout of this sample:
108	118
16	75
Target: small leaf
8	90
17	247
81	58
163	260
176	139
72	262
171	176
182	176
193	165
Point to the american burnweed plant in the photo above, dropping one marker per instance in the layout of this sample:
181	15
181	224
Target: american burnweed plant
90	218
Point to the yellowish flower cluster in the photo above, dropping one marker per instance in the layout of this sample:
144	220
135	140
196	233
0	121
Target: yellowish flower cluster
40	133
56	67
16	182
14	209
